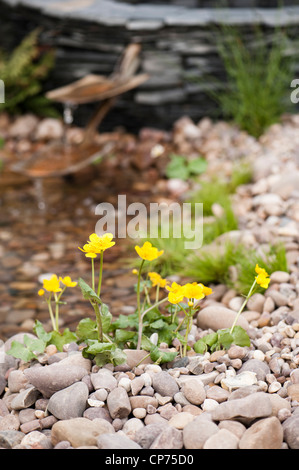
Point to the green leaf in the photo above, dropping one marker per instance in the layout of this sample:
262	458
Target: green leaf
88	292
106	317
240	337
61	339
158	324
177	168
146	344
200	346
197	166
125	321
104	353
20	351
87	329
95	347
117	356
40	332
35	345
122	336
102	358
225	339
210	339
162	356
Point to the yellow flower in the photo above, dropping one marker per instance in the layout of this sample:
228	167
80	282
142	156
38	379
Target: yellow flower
259	270
97	244
206	290
52	285
157	280
134	271
262	280
262	277
67	281
41	292
193	291
176	293
148	252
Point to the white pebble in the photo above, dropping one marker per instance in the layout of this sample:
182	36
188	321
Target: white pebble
259	355
125	383
154	338
274	387
152	368
209	404
139	413
147	379
95	403
262	385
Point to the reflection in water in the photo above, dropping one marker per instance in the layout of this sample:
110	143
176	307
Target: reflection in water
39	193
68	118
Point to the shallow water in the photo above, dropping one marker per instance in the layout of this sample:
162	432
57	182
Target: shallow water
42	223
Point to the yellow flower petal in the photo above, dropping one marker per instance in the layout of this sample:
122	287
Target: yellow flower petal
193	291
262	280
175	297
148	252
157	280
52	285
259	270
206	290
67	281
97	244
41	292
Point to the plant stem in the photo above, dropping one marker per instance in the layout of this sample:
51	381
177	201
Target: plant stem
186	337
140	320
175	314
143	359
99	321
56	310
92	272
100	274
107	338
138	306
58	298
243	306
189	317
153	306
157	293
51	313
179	325
138	288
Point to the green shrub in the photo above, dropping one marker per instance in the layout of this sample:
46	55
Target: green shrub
211	266
273	260
257	79
23	71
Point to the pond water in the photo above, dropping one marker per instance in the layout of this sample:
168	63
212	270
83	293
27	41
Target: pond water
42	223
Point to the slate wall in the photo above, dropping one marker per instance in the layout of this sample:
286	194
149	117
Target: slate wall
178	49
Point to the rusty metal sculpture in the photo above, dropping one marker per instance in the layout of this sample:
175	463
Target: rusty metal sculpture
58	159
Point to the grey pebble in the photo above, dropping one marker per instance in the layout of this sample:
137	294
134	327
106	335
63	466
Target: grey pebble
69	402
